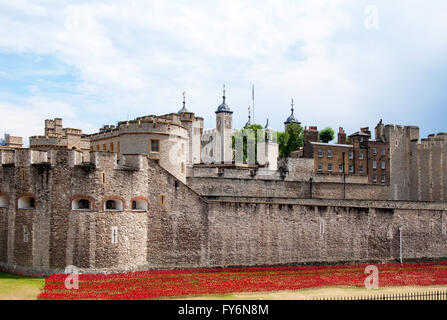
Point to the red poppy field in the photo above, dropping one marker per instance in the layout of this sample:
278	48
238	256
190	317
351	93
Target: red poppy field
174	283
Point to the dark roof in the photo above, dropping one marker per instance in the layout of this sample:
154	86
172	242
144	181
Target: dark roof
223	108
267	126
182	110
360	133
291	118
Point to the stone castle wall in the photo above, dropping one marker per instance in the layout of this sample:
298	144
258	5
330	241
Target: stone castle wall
428	176
208	186
181	229
289	232
167	234
417	169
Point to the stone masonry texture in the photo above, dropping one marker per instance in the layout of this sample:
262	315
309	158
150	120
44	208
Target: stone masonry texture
202	224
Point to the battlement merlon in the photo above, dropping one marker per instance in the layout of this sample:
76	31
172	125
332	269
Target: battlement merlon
98	159
72	131
22	157
47	140
411	132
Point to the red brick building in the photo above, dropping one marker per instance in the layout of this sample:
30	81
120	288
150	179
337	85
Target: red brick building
360	156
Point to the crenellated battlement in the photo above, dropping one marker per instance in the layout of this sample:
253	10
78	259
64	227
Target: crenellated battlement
48	140
100	160
432	140
22	157
141	125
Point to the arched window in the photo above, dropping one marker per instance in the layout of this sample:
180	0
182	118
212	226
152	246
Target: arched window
113	205
26	202
81	204
139	204
4	201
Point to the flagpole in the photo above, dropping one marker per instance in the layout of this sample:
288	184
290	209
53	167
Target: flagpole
253	101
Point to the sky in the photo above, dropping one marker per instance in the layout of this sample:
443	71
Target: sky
345	63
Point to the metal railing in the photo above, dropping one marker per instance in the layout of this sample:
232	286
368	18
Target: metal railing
431	295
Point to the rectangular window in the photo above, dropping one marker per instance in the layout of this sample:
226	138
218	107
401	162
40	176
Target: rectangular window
329	167
162	199
114	234
351	155
383	178
375	177
361	156
97	147
183	168
374	151
111	146
329	153
340	168
351	168
155	145
320	153
374	164
361	169
104	147
383	152
320	167
383	164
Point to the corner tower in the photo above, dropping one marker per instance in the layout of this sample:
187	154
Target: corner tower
224	132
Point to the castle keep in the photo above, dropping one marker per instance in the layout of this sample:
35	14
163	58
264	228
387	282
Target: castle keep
160	192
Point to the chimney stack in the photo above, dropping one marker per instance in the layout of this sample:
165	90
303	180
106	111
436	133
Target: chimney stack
341	137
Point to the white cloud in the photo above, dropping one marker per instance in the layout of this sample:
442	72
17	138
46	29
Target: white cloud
27	119
138	56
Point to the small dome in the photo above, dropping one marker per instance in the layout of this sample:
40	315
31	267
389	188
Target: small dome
224	108
182	110
291	118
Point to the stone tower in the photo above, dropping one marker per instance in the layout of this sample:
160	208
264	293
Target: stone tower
224	132
399	139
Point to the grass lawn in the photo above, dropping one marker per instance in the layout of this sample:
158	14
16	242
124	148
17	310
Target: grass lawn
14	287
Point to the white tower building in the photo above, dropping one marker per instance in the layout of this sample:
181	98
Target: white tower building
224	132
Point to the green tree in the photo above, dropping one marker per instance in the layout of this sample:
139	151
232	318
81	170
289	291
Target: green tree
249	134
326	135
290	140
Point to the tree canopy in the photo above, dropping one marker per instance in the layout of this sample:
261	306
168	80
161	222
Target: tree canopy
290	140
249	135
326	135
